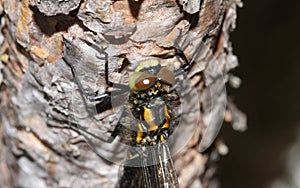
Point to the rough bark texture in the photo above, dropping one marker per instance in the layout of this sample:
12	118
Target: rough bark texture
38	93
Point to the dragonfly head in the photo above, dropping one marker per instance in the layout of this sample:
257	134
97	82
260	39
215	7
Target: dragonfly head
148	73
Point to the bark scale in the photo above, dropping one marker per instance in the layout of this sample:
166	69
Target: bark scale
38	94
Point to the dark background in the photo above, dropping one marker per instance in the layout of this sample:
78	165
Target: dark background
266	42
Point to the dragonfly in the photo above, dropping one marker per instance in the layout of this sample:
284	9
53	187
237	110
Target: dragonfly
148	119
153	107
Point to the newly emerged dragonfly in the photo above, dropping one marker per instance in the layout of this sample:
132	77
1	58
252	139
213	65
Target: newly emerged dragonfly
148	118
151	102
154	113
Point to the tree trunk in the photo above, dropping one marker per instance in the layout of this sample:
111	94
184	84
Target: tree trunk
42	109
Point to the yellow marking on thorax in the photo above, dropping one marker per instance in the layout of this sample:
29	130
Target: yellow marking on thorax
167	115
149	118
162	138
139	135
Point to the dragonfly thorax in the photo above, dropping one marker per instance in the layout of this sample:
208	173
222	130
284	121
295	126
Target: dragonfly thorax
151	103
152	110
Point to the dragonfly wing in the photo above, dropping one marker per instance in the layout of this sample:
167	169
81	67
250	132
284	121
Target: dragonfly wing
149	167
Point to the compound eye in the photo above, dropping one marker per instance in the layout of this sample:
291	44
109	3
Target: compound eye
166	75
139	81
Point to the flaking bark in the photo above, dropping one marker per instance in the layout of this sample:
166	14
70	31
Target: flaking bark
39	96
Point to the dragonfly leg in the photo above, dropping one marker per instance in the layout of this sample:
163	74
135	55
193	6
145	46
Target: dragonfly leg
208	34
104	96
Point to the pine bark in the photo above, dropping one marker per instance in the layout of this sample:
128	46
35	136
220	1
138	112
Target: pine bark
38	92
